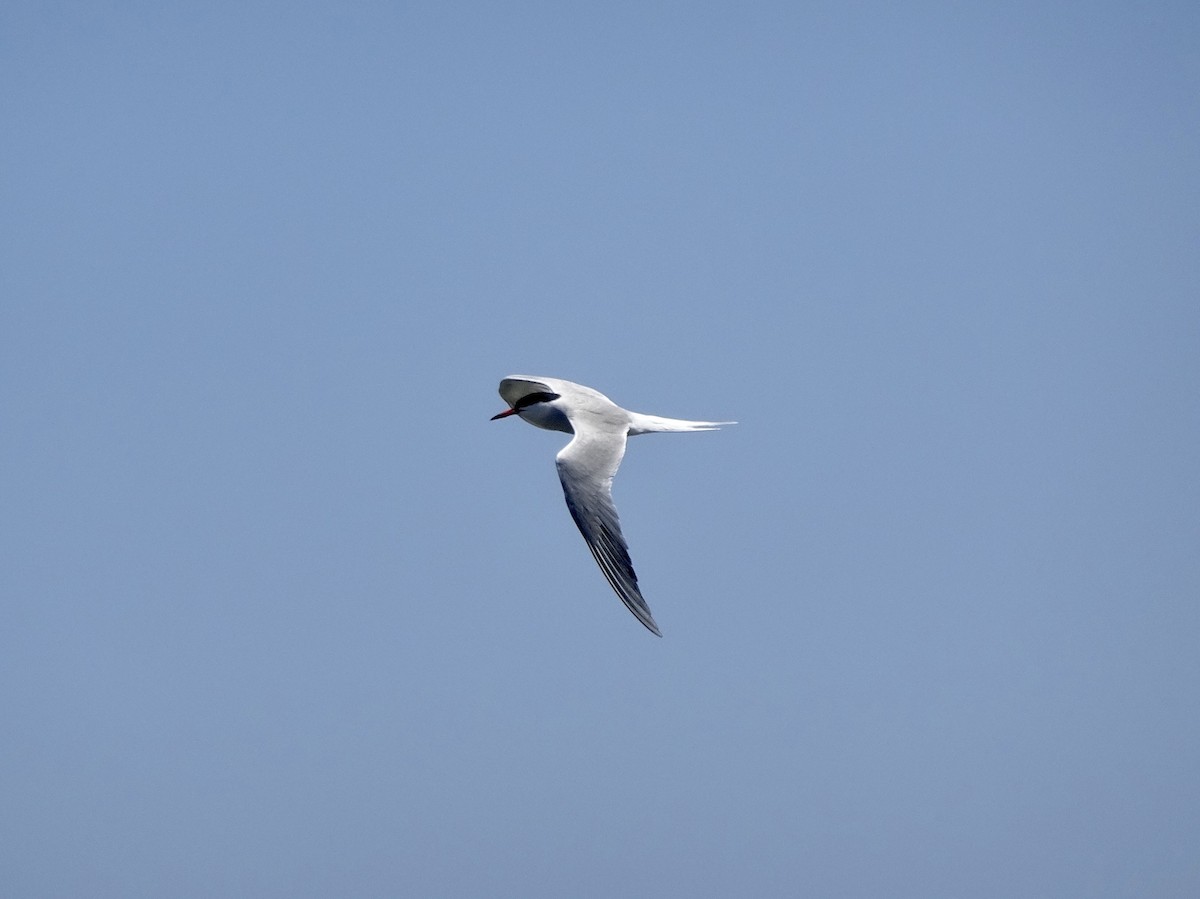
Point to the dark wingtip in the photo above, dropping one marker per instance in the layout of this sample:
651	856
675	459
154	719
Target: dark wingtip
642	614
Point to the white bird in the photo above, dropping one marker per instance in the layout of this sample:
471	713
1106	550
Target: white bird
587	464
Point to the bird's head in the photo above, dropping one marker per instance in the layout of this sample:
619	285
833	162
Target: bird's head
533	401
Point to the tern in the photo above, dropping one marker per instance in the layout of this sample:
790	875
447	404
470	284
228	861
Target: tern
587	464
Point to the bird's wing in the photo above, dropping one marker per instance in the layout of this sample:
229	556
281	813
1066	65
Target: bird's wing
586	467
515	387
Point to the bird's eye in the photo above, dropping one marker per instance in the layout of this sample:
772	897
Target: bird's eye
531	398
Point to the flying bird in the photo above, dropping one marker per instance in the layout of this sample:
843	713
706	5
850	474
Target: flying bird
587	464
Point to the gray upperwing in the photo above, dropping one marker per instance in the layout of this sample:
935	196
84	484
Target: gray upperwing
586	467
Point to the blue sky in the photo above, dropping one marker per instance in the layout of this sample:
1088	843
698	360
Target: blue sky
286	615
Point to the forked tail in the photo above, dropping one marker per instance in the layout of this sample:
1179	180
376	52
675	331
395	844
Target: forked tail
651	424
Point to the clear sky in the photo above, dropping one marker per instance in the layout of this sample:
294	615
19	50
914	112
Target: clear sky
284	614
